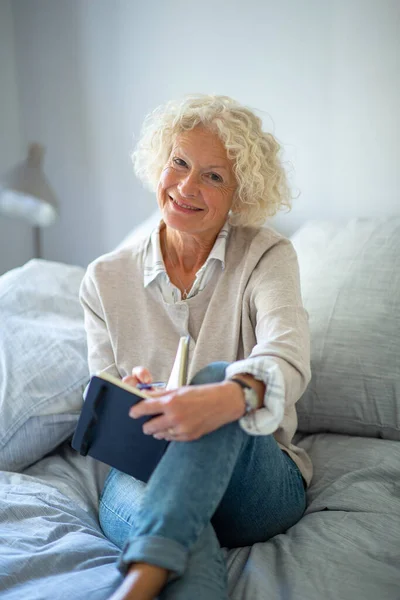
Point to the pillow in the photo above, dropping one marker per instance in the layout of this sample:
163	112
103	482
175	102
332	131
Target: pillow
144	229
43	360
350	278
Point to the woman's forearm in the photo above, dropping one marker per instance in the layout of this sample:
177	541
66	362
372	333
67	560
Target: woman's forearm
235	404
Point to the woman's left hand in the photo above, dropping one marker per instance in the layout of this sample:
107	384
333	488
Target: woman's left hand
189	412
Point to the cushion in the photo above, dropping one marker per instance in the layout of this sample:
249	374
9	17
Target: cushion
43	360
350	278
144	229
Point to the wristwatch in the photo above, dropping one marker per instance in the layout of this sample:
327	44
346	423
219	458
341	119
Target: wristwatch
250	395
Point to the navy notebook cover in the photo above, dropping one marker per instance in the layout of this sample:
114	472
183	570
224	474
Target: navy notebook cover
106	432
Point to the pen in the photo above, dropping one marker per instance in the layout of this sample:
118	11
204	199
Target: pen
148	386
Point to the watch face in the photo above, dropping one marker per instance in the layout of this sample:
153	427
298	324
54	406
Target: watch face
250	395
251	399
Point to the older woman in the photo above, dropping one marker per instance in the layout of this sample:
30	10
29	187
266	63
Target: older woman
230	476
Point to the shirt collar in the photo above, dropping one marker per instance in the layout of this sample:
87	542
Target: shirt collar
154	263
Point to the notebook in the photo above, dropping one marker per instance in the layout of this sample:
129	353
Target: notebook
107	433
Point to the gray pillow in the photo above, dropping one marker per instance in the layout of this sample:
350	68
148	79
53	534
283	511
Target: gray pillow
43	360
350	277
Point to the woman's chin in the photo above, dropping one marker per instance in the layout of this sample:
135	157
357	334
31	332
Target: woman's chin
178	221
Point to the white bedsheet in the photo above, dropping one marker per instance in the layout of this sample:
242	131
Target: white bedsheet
51	546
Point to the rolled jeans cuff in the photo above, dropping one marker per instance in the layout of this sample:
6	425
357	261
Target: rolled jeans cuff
154	550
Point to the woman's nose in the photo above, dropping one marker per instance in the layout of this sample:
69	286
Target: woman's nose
188	185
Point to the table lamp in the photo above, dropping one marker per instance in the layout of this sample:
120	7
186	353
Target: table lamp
26	194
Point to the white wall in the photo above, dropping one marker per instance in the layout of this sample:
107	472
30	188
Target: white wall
16	241
323	74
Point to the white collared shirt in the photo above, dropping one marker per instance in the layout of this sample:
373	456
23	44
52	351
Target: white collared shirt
267	419
154	268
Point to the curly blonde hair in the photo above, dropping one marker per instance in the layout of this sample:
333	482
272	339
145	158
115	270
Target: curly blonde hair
262	183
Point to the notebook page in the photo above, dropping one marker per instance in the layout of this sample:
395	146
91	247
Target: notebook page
179	370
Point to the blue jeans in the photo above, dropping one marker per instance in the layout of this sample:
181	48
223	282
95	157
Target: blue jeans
226	489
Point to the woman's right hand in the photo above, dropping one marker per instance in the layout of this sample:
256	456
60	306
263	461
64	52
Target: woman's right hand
139	375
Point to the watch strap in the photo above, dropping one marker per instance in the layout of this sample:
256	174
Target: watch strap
242	384
250	395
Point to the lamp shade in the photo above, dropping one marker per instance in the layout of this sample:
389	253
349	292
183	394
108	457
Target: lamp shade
25	192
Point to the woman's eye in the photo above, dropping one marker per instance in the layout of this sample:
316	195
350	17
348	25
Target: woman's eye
215	177
179	162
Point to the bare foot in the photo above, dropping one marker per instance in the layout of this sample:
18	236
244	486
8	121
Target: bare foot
142	582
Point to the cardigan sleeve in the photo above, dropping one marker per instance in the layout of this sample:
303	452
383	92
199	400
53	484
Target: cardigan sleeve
281	356
100	352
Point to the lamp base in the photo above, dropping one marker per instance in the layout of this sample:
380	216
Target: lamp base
37	242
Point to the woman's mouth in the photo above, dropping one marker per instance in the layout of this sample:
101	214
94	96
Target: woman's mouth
181	206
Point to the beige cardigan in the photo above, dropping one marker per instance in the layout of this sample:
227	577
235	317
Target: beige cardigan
252	308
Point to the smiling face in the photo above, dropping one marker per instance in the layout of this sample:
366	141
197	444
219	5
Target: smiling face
197	186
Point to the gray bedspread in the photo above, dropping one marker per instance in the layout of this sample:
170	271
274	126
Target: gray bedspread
346	547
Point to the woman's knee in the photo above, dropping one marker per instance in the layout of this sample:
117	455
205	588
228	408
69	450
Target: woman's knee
212	373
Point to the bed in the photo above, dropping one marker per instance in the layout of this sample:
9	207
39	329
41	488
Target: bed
346	546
